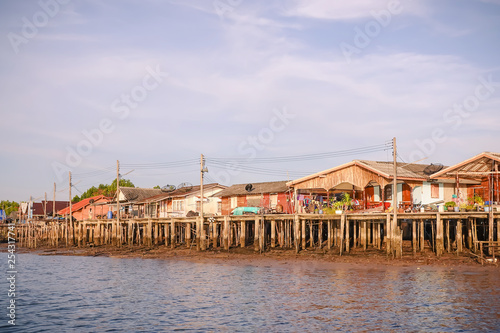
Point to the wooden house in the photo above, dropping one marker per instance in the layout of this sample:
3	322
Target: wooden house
87	209
183	202
482	169
39	210
369	183
271	196
130	199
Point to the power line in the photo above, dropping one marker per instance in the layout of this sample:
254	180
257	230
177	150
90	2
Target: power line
307	157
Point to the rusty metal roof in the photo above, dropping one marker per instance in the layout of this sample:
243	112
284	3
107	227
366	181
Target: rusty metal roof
258	188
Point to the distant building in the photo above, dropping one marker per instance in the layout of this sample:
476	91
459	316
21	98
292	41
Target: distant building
183	202
271	196
369	183
87	209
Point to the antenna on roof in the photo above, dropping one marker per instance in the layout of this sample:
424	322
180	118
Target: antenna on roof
185	186
168	188
249	188
433	168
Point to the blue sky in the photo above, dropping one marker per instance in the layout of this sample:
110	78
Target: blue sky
86	83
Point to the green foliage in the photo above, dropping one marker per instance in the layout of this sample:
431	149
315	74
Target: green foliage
106	190
450	204
157	187
9	206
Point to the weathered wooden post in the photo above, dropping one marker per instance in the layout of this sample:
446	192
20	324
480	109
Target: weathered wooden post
379	235
363	235
414	236
226	231
491	230
188	234
296	224
172	234
459	236
421	231
329	234
273	233
448	242
243	236
439	235
388	233
347	224
342	227
303	233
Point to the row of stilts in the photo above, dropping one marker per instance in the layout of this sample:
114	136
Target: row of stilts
343	233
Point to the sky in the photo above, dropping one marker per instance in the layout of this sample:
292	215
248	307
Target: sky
154	84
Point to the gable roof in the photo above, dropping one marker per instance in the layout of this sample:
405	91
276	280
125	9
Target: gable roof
181	192
267	187
134	194
476	167
407	171
82	204
39	206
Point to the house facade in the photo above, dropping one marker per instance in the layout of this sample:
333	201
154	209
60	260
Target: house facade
480	172
271	196
183	202
87	209
369	183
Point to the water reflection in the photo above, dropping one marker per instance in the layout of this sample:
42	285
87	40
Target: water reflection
105	294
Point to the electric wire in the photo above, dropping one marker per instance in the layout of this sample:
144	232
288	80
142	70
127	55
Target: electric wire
306	157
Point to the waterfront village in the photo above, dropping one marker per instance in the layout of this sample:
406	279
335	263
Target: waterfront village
447	208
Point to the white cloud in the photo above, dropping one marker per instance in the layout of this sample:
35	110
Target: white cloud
349	10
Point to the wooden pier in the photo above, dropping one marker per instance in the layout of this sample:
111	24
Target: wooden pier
442	232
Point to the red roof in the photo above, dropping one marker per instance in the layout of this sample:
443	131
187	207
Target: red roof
82	204
38	207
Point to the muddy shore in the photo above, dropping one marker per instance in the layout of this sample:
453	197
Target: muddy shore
247	256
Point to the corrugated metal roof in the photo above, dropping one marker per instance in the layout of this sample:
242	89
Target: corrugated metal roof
81	204
258	188
404	170
133	194
181	192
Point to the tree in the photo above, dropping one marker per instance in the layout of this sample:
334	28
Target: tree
157	187
102	189
9	206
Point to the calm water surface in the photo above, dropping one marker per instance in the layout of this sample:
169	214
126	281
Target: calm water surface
83	294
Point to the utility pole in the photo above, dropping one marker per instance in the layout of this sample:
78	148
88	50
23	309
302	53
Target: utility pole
70	211
45	207
394	198
200	234
117	198
54	203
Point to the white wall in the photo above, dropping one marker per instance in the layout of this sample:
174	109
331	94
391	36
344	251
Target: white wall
426	193
210	204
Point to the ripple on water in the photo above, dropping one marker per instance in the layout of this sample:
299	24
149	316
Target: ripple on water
75	294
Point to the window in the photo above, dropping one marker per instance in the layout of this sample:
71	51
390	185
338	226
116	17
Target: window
234	202
434	190
219	207
178	205
388	192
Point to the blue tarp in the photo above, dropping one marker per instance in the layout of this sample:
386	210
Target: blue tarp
245	210
2	215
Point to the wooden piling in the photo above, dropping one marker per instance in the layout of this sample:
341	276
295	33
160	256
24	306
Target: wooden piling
329	234
172	233
243	233
491	227
459	237
273	233
439	235
296	225
303	234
